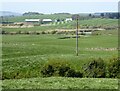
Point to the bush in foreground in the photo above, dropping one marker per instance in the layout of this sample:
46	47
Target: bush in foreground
95	69
114	68
59	68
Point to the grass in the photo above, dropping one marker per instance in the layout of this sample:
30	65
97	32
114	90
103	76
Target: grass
61	83
26	54
97	22
27	45
22	18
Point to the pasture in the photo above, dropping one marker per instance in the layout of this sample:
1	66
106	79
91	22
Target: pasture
62	83
24	55
90	23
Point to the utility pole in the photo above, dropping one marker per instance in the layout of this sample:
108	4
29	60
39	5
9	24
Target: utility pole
2	19
77	36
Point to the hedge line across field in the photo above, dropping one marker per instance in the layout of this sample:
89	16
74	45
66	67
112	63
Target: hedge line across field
97	68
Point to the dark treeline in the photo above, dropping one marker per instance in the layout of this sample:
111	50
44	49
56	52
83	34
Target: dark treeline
112	15
32	13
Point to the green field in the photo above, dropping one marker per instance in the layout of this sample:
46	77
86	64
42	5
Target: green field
62	83
95	22
26	54
51	16
23	56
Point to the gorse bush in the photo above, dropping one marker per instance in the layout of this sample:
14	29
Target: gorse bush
55	68
95	69
73	73
59	68
114	68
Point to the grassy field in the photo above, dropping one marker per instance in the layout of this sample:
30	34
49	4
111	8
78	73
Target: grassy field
96	22
26	54
61	83
22	18
23	56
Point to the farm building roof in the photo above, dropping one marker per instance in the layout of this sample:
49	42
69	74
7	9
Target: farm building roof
32	20
68	19
47	20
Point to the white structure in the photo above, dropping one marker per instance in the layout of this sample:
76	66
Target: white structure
32	20
55	20
68	19
47	20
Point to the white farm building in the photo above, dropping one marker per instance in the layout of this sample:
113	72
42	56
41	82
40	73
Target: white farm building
46	21
68	19
33	21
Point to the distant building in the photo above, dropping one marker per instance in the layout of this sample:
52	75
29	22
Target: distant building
68	19
32	21
44	21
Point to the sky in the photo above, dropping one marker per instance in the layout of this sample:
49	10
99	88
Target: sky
59	6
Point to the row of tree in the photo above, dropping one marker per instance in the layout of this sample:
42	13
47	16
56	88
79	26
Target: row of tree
112	15
32	13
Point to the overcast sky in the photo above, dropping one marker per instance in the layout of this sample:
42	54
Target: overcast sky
59	6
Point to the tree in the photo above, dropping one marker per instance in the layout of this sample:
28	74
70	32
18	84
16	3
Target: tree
32	13
74	17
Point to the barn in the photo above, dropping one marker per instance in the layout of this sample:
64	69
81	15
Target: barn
68	19
32	21
45	21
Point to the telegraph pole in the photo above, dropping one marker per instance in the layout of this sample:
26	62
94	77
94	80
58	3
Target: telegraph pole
2	19
77	36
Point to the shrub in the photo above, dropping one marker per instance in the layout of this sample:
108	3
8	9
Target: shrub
59	68
55	68
37	33
3	32
53	32
114	68
63	70
43	32
73	73
27	32
47	71
95	69
19	32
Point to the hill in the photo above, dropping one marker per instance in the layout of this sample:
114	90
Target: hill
8	13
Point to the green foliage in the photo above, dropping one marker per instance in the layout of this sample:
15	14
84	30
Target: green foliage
95	69
55	68
3	32
73	73
42	32
53	32
114	68
59	68
31	13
